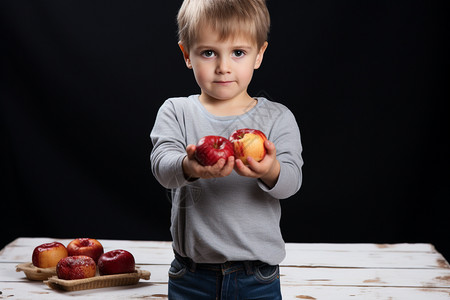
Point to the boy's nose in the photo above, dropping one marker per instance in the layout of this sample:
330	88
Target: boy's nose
223	66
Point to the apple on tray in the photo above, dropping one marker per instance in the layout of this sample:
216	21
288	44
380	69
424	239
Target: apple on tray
116	262
211	148
248	143
85	246
48	255
76	267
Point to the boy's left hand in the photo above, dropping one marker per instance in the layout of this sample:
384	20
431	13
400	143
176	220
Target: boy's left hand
267	169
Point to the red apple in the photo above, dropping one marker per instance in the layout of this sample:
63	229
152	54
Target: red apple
248	143
116	262
211	148
48	255
76	267
85	246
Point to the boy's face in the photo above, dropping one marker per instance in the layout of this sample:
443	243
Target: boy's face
223	68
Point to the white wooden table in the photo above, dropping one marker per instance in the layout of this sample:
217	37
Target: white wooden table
310	271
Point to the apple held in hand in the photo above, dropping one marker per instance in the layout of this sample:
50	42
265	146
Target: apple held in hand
76	267
211	148
248	143
116	262
85	246
48	255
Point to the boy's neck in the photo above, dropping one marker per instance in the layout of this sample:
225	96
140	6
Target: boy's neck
231	107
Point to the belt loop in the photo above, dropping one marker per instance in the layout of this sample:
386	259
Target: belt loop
192	265
248	267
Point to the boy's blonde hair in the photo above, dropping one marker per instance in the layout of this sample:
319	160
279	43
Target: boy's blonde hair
227	17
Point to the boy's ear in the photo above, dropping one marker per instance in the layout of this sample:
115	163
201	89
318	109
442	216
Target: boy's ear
260	55
185	55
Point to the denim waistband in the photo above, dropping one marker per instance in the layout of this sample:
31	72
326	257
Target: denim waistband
226	267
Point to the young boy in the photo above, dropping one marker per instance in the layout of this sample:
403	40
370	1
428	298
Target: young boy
225	218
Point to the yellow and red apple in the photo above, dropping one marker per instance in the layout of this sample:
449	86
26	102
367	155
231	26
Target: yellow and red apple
76	267
48	255
85	246
248	143
116	262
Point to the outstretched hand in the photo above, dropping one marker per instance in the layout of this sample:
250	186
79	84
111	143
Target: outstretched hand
268	169
193	169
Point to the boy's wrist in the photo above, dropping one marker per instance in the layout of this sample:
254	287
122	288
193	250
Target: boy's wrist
271	178
185	166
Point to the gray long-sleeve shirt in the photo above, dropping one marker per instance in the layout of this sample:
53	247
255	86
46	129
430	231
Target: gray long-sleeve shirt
234	217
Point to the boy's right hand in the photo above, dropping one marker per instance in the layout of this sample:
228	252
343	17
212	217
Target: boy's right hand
192	169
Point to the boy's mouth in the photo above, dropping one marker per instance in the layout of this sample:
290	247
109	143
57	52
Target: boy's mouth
224	82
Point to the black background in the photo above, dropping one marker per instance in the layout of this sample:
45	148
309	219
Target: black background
367	81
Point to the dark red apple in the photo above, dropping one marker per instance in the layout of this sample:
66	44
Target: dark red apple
76	267
248	142
211	148
116	262
48	255
85	246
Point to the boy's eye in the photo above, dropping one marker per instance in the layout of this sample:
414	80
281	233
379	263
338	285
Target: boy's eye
238	53
208	53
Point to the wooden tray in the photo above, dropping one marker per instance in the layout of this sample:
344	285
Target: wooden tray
97	281
35	273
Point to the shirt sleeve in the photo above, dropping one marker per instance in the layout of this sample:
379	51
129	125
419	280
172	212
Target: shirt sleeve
169	147
286	137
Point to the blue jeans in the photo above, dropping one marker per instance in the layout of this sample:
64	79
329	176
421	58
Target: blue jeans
231	280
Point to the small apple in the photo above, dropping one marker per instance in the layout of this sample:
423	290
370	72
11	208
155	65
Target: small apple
248	143
116	262
47	255
76	267
85	246
211	148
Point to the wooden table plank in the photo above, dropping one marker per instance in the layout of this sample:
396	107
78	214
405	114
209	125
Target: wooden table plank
37	290
428	278
150	253
361	247
366	259
363	293
34	290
